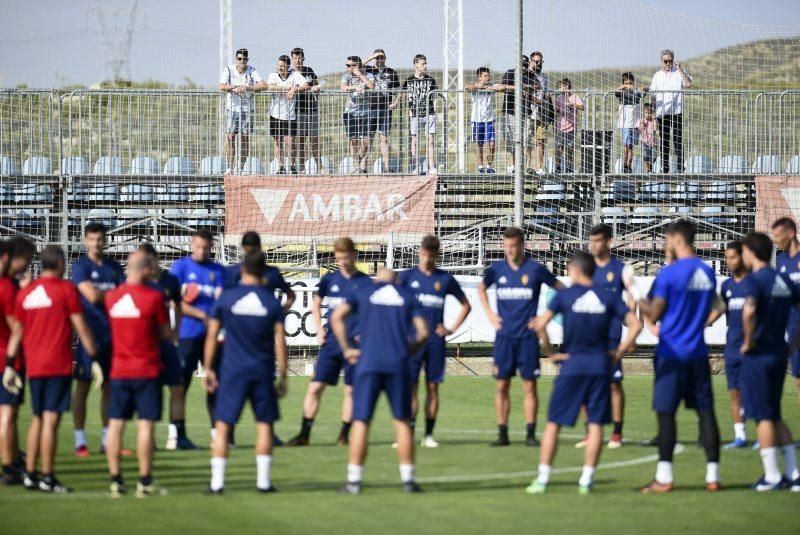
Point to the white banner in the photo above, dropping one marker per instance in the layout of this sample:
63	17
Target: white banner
300	328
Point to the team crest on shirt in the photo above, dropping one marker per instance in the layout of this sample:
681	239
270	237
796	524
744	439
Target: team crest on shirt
609	276
415	284
437	286
265	281
524	279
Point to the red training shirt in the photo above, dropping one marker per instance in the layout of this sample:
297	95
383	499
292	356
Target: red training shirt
8	293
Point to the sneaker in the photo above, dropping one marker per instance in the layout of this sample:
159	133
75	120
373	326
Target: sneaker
276	441
713	486
186	444
584	490
228	171
501	441
536	488
582	444
293	169
429	442
281	171
530	171
735	445
794	486
509	169
414	171
395	445
51	484
541	171
116	489
411	487
432	171
30	480
297	441
267	490
12	478
756	446
762	486
143	491
654	487
350	488
615	442
481	170
211	492
490	171
83	451
172	444
532	442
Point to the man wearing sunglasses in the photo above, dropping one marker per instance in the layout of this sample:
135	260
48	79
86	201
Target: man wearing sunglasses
666	92
240	81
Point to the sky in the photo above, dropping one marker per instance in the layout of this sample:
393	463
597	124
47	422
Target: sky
56	43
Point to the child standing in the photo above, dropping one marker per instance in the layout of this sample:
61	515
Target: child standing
630	99
567	107
483	119
646	127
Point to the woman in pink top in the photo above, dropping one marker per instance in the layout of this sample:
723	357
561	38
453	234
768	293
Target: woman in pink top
567	107
646	125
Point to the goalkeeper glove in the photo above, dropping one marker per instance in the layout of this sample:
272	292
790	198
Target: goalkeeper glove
11	380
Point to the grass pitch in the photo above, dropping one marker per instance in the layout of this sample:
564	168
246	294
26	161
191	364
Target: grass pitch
469	487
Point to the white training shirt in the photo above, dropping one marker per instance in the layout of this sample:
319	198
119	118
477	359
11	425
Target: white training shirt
482	106
671	102
231	76
281	107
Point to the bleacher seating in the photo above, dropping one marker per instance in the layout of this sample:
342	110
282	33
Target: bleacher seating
644	215
37	165
174	192
8	166
253	166
654	192
74	165
793	165
393	167
213	165
207	193
614	215
105	216
732	164
33	194
108	165
346	166
698	165
178	165
621	191
144	165
688	191
721	190
103	193
674	166
136	193
637	165
767	165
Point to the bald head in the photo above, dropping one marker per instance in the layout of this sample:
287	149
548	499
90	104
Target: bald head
138	268
386	275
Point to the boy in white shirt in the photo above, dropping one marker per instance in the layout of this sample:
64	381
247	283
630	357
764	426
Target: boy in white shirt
630	100
282	116
483	118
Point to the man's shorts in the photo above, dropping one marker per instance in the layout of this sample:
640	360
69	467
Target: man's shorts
52	394
425	124
616	373
15	400
190	352
357	125
570	392
648	153
172	372
508	131
762	386
330	363
143	396
795	361
565	139
677	380
512	354
239	122
483	132
630	137
83	362
307	124
282	128
235	389
432	357
380	120
368	386
733	368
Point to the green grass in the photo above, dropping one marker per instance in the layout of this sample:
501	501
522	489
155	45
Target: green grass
493	501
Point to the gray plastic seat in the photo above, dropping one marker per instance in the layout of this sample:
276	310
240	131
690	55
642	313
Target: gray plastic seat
144	165
621	191
105	216
732	164
769	164
716	215
645	215
74	165
721	190
614	215
37	165
178	165
6	194
688	191
103	193
8	166
793	165
173	193
108	165
213	165
551	192
253	166
207	193
136	193
655	192
33	193
698	165
379	169
204	217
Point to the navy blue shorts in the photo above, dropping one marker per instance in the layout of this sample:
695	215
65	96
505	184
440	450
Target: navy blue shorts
190	352
143	396
357	125
235	389
616	373
330	363
52	394
762	386
733	369
572	391
367	388
687	381
795	361
432	357
172	373
83	363
380	120
483	132
512	354
7	398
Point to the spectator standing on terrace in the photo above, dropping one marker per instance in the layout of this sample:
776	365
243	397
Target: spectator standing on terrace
667	95
422	112
282	110
483	118
630	100
541	111
307	112
240	81
356	111
381	102
646	126
508	110
568	104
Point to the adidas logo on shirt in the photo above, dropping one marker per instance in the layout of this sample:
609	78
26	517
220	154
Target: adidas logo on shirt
588	303
38	298
249	305
783	269
387	296
779	289
335	288
700	282
502	280
125	308
415	284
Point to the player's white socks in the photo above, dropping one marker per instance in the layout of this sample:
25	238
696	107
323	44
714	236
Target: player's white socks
406	473
664	472
217	472
263	464
739	431
544	474
712	472
104	440
80	438
172	432
355	472
769	458
587	476
790	459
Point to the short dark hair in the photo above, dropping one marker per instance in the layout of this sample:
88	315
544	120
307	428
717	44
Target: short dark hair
52	257
284	58
536	53
683	228
482	70
583	261
785	222
94	227
251	239
431	244
760	245
356	59
627	76
419	57
203	233
603	229
379	51
148	249
242	51
20	246
647	105
297	51
567	82
514	232
254	263
736	245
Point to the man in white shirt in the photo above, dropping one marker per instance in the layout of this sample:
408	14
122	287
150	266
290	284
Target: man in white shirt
306	143
666	90
240	81
284	85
